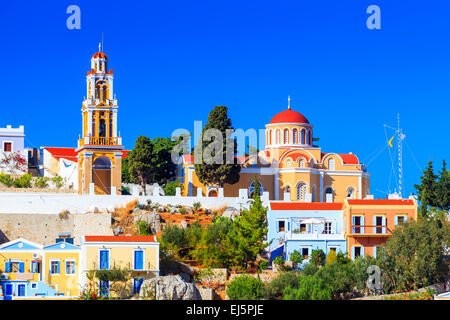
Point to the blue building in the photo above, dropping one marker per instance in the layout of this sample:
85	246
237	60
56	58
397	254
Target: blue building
12	143
305	226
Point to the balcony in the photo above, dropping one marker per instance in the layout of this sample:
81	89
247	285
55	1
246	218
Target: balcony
314	236
370	231
100	141
22	276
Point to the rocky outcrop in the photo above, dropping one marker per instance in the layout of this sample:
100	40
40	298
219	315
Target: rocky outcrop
153	219
171	287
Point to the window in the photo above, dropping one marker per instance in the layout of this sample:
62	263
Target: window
400	220
104	259
350	193
302	227
54	267
333	250
307	137
331	164
379	222
356	222
34	286
301	163
281	226
303	136
7	146
286	136
305	253
278	137
301	191
295	136
138	260
70	267
34	266
357	251
14	267
327	229
288	163
270	137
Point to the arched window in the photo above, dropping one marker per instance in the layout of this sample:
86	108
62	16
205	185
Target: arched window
251	188
301	191
286	136
310	137
350	193
270	137
278	136
295	136
303	136
313	193
307	137
102	128
288	163
301	163
331	164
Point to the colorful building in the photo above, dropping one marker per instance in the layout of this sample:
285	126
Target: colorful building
369	223
291	167
355	227
140	254
100	148
12	143
305	227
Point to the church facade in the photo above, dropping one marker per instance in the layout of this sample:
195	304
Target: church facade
290	167
99	150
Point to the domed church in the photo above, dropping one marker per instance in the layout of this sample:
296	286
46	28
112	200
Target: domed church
290	167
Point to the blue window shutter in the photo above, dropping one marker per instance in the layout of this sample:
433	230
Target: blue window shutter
353	253
21	266
57	263
395	220
7	267
384	224
374	222
406	218
362	252
362	223
288	226
353	223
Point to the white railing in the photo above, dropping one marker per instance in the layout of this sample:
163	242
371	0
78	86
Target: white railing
314	236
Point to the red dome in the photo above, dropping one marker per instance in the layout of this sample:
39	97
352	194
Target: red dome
100	55
289	116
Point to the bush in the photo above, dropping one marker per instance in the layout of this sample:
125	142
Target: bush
310	269
143	228
197	205
309	288
173	238
318	257
170	188
245	288
58	181
296	257
23	182
274	290
63	215
6	179
331	257
41	182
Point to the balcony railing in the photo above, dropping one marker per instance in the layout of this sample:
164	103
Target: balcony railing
100	141
24	276
314	236
370	230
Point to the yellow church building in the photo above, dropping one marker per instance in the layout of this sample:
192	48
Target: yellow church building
100	148
290	167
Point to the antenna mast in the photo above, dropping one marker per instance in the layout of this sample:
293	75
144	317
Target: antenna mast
400	138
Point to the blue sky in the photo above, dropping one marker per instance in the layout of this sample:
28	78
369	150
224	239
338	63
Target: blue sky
175	60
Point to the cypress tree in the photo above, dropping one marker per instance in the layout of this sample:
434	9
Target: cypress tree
217	173
443	189
427	189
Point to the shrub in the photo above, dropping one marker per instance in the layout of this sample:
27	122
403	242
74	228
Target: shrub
64	214
296	257
318	257
143	228
310	269
6	179
331	257
309	288
173	238
23	182
182	211
58	181
245	288
197	205
170	188
274	290
41	182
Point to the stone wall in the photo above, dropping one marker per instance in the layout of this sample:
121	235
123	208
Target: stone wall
44	228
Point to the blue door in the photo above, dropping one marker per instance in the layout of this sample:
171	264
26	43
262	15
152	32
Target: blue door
8	292
104	259
21	290
104	288
137	285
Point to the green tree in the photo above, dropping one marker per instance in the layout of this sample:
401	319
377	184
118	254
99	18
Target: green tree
415	255
318	257
427	189
170	189
309	288
274	289
126	176
443	189
250	229
142	162
296	258
213	168
165	167
245	288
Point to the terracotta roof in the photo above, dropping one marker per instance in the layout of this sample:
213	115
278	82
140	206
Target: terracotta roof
70	154
120	238
295	156
375	202
347	158
100	55
306	205
289	116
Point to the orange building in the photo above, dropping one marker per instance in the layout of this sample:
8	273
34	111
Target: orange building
369	223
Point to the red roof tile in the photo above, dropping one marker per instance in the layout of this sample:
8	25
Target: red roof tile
375	202
120	238
347	158
289	116
306	205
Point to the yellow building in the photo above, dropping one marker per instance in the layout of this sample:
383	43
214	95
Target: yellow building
139	254
291	167
99	149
